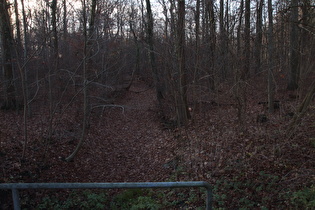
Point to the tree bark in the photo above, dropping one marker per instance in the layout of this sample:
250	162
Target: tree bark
301	110
226	39
136	41
156	75
294	48
246	70
271	85
53	69
240	27
65	47
18	28
24	77
65	20
7	46
306	56
173	23
258	40
222	55
85	86
25	53
212	44
197	27
166	22
181	102
240	74
54	29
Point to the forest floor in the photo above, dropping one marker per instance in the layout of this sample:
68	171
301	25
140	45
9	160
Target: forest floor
250	164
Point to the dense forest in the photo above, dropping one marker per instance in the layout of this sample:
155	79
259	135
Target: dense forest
166	90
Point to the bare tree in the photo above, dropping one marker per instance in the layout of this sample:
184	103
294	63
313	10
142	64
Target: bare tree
156	75
226	38
294	47
258	39
7	56
282	48
240	27
301	111
18	27
22	70
271	85
135	38
212	47
65	48
247	47
181	98
222	57
88	33
197	32
55	62
65	20
307	40
25	53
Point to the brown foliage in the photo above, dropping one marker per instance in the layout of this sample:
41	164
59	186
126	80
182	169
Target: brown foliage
128	143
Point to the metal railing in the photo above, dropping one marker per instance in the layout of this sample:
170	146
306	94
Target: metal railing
16	186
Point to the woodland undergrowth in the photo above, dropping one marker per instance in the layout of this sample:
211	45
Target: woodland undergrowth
255	165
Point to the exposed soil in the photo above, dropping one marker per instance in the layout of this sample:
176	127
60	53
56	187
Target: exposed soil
130	142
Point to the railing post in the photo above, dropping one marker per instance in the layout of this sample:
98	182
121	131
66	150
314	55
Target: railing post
16	199
209	199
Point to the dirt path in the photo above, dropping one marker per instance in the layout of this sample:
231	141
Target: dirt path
125	144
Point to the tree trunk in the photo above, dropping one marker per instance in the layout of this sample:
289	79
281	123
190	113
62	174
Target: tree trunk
24	77
85	81
18	28
53	68
54	30
65	47
172	23
181	102
222	55
240	27
166	19
246	70
65	20
301	110
25	53
306	38
294	48
156	76
240	74
197	52
271	85
136	41
197	28
212	44
258	40
226	39
7	46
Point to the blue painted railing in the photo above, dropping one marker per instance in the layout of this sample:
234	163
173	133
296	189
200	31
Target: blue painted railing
14	187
